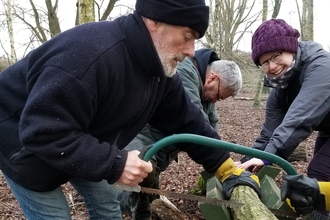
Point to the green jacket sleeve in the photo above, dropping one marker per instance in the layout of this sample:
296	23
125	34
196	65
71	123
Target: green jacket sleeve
193	85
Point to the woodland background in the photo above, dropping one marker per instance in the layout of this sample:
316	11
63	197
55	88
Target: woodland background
230	21
240	123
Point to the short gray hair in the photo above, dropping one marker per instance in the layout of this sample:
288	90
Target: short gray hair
229	73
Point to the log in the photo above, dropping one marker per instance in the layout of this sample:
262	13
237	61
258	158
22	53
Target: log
166	211
300	153
253	208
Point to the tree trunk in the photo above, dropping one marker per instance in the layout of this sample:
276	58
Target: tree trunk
253	208
264	10
53	23
86	11
307	29
13	58
37	29
257	98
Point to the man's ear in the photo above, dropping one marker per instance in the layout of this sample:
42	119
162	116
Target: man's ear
210	78
151	24
214	76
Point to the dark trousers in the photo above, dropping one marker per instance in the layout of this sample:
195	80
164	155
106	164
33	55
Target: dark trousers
319	168
139	203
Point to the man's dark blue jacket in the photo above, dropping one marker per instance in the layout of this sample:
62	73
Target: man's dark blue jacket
70	105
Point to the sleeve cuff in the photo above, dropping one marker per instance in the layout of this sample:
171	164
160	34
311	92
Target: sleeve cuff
266	162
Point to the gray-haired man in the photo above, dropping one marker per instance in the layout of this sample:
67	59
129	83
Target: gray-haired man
206	79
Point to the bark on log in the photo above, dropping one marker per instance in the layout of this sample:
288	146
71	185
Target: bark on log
253	208
165	211
300	153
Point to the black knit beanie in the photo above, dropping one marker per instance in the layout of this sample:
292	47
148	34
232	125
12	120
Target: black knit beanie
190	13
274	35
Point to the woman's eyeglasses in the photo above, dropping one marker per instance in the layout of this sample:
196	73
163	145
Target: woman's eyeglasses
275	58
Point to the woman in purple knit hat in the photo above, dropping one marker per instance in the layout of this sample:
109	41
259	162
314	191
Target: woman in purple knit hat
299	104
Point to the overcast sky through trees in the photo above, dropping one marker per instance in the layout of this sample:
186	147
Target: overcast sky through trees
288	12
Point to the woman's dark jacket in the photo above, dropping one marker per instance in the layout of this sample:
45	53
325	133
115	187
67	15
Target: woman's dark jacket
292	114
69	106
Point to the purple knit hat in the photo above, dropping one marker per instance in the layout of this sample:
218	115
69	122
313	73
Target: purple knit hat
274	35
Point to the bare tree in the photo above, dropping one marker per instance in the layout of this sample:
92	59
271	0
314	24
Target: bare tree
85	11
264	10
108	10
257	97
229	21
41	19
53	23
277	7
306	19
13	57
307	26
6	27
35	19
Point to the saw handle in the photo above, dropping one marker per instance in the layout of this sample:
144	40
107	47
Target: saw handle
122	187
227	146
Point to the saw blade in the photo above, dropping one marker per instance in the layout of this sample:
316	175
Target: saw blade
212	201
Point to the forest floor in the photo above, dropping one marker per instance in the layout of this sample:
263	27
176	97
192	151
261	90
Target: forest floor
239	123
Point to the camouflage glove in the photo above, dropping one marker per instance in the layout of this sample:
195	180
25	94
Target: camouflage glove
305	194
230	176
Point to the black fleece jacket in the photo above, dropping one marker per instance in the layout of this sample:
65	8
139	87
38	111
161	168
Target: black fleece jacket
70	105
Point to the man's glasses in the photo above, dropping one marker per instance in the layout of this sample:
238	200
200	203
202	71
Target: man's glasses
218	96
275	58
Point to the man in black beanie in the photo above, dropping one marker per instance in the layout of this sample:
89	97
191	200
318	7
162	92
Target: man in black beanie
71	105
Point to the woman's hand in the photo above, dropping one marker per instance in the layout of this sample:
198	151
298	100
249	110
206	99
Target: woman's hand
257	163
